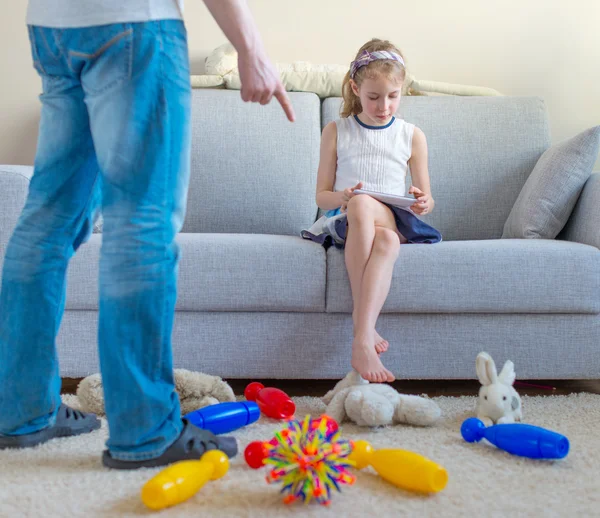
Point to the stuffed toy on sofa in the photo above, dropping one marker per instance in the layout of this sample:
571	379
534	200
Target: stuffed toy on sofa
221	71
196	390
377	404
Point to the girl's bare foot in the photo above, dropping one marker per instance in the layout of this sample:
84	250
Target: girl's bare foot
366	361
381	344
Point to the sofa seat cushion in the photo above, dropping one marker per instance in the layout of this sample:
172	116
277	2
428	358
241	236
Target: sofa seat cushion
483	276
225	272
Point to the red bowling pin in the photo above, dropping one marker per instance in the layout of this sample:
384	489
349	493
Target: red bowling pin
272	402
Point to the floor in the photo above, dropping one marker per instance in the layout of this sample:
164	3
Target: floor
69	482
432	388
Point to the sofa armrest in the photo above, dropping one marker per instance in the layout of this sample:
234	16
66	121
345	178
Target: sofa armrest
584	224
14	186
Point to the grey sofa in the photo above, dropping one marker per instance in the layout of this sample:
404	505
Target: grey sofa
258	301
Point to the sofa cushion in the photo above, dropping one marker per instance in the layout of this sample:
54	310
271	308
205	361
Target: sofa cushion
252	171
551	191
317	346
481	151
225	272
489	276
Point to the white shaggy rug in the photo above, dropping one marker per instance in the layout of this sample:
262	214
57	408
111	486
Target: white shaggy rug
65	478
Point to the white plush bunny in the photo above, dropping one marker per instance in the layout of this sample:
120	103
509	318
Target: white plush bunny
377	404
498	401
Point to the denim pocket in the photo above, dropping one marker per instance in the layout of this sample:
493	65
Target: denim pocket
46	50
109	65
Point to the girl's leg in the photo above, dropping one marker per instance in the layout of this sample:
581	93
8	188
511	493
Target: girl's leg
369	223
359	243
377	279
374	290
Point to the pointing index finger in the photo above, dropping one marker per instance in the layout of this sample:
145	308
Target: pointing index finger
285	103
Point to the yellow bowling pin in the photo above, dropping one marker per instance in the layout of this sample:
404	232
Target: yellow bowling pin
183	480
402	468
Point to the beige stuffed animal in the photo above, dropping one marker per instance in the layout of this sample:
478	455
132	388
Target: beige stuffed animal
221	71
377	404
196	390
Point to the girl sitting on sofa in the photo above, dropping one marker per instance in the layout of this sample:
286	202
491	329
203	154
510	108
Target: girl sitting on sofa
368	148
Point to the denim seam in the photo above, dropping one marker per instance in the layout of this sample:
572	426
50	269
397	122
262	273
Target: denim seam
129	49
58	42
165	183
45	41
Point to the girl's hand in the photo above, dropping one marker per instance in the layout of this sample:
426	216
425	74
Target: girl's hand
348	194
424	203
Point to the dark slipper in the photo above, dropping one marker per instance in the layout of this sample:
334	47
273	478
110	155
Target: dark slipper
191	444
68	422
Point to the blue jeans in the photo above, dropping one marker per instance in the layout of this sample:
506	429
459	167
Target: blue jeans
115	133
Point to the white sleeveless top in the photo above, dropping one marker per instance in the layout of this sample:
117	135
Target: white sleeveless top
375	155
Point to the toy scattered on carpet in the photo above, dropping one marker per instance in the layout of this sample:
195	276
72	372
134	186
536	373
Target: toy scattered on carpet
310	460
196	390
225	417
272	402
498	401
184	479
256	452
377	404
520	439
404	469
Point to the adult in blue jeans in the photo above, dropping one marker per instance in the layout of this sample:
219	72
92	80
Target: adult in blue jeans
114	133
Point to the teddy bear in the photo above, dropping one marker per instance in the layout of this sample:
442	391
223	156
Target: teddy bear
377	404
196	390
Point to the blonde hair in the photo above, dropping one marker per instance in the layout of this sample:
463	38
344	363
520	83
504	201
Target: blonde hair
390	69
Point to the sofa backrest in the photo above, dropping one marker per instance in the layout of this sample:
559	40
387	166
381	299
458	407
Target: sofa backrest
481	151
252	171
255	172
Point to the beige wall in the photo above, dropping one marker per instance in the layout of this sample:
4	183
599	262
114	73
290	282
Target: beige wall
548	48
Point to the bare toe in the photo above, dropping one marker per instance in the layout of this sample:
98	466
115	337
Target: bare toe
366	361
369	376
381	345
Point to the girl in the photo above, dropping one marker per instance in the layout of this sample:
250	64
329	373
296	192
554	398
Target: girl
369	148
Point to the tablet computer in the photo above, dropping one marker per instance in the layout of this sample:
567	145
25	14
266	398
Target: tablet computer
403	202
